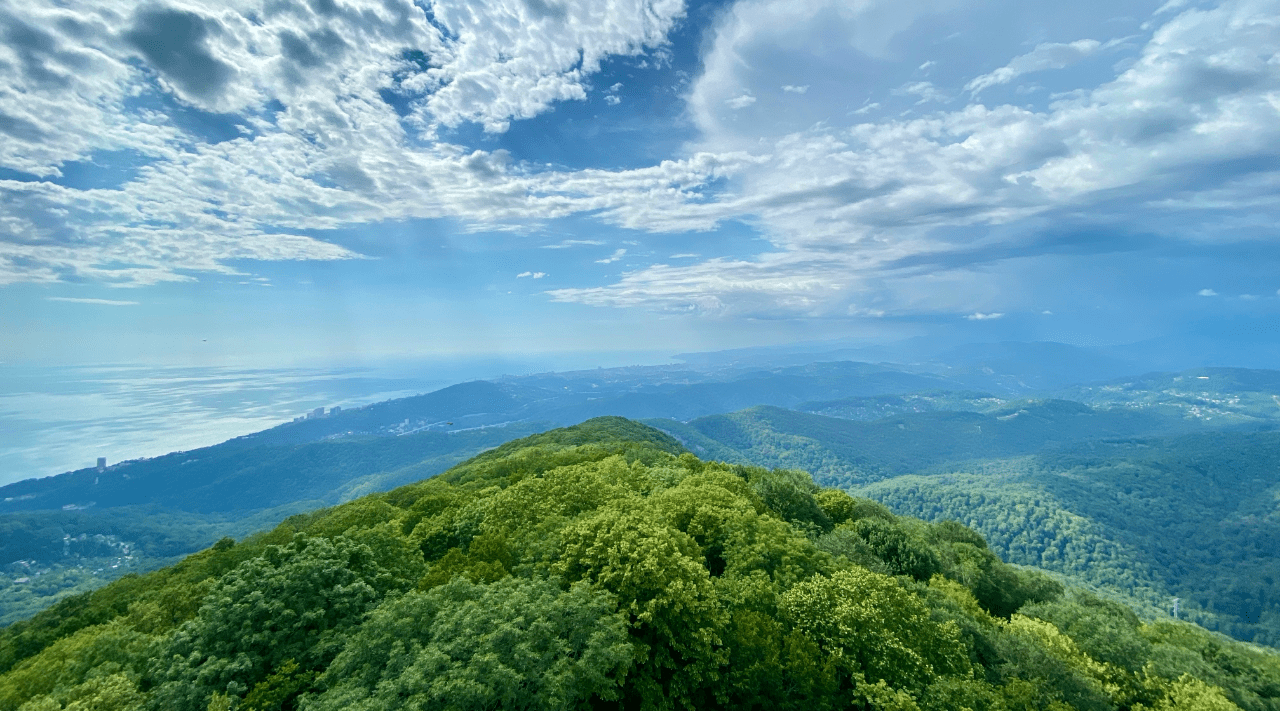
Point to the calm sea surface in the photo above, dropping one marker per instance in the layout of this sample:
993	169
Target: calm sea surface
56	419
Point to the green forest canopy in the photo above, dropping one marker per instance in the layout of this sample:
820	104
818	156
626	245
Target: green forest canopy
1077	491
602	566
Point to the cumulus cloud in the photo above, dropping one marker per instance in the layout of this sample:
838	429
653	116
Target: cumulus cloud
331	116
612	98
792	89
1179	140
311	116
1050	55
535	275
979	316
1206	292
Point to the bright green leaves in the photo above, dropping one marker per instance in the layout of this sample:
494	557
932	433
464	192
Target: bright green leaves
878	629
1191	694
585	568
107	655
514	644
657	574
292	603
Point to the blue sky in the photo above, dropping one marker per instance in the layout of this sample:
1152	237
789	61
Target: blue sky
198	182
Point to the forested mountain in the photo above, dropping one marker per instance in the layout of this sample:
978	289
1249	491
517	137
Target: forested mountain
602	566
1061	486
138	514
1196	517
72	532
841	452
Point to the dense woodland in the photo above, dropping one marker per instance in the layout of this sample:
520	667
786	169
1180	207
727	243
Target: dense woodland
1089	494
603	566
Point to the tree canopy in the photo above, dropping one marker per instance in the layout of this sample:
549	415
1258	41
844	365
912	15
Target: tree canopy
602	566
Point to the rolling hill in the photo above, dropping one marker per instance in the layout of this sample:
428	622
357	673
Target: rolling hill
602	566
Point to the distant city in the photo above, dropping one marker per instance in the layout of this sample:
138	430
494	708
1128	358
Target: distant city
317	413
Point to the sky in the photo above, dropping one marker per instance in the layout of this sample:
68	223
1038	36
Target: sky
191	182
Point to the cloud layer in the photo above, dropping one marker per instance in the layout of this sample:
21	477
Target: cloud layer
314	116
1181	140
889	189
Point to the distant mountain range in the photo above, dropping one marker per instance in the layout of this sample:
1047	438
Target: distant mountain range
978	411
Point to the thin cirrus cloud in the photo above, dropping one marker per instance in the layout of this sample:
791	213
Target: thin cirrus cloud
99	302
1050	55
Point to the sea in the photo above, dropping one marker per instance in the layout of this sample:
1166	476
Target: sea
61	418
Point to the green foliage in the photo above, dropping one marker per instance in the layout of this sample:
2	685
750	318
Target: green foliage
278	691
789	494
147	513
513	644
603	567
1090	494
291	603
878	630
657	574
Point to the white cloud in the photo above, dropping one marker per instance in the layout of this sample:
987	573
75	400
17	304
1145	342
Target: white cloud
309	143
535	275
846	208
617	255
791	89
1170	6
565	244
612	97
100	302
923	89
927	66
1206	292
979	316
1050	55
850	209
740	102
686	255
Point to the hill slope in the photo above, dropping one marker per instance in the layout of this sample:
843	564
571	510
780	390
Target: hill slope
1062	486
847	452
602	566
